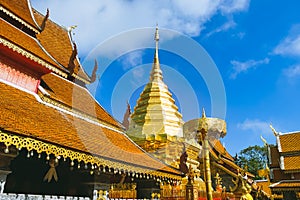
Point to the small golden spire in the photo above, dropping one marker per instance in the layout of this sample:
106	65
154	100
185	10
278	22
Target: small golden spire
203	113
156	73
156	38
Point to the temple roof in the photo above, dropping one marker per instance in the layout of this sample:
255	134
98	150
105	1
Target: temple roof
30	117
292	163
46	40
287	153
75	97
289	142
221	156
25	45
285	185
56	40
21	11
264	186
217	146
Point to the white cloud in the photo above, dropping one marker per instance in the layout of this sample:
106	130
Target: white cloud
293	71
228	25
132	59
240	35
290	46
256	126
230	6
99	20
138	73
139	76
239	67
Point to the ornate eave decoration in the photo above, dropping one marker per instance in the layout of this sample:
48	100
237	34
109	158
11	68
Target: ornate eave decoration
60	152
19	19
81	79
31	57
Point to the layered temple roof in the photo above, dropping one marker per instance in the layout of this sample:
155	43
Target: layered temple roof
285	162
76	98
286	185
15	39
20	10
49	45
56	40
27	117
155	113
61	118
289	142
289	152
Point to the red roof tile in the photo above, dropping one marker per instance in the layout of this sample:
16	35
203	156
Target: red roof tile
76	97
55	39
25	42
217	145
22	9
264	185
292	163
23	115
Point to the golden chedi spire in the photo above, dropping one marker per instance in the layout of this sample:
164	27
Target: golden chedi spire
155	116
156	73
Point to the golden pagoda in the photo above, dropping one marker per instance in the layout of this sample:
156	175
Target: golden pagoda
193	147
155	117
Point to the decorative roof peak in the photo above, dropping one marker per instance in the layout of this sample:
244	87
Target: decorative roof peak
156	38
203	113
156	73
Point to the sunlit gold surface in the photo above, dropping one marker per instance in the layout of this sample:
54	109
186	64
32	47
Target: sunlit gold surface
155	116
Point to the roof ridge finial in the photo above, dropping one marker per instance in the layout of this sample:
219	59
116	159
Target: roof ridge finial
274	131
156	73
203	113
156	38
43	25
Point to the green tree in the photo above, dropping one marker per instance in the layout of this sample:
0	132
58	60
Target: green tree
252	159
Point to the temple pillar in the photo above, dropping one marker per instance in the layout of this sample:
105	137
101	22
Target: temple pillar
207	177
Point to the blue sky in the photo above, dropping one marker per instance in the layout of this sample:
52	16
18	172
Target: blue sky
254	44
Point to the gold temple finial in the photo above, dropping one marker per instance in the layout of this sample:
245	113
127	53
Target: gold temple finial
156	73
264	141
274	131
203	113
156	33
156	38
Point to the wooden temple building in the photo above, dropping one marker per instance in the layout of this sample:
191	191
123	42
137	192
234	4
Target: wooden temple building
55	138
282	172
284	161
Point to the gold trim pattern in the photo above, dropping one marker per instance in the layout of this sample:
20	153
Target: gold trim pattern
81	79
31	57
19	19
32	144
